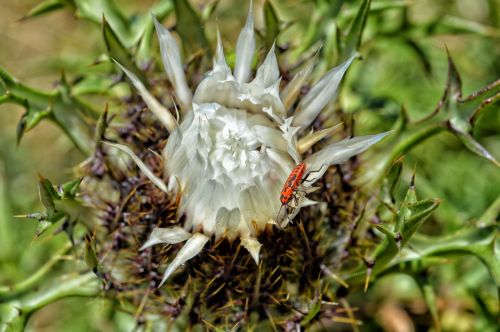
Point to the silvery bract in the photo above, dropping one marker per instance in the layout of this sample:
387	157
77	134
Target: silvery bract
235	146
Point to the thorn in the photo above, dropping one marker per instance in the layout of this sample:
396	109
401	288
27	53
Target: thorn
412	182
399	239
369	270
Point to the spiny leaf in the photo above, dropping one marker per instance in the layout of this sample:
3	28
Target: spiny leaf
353	39
29	120
118	51
471	144
69	189
47	195
72	115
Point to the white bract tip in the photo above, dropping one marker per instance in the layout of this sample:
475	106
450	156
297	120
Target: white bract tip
337	153
172	62
253	247
170	235
245	48
154	105
147	172
268	73
321	94
192	248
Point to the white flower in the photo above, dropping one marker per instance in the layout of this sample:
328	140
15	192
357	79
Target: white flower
235	146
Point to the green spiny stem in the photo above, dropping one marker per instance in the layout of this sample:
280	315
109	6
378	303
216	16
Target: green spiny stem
429	251
19	311
74	116
405	145
8	292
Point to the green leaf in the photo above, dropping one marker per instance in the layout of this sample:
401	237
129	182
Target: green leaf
90	257
92	85
95	10
45	7
72	115
353	39
190	29
271	22
69	189
474	146
479	242
47	195
160	11
118	51
491	215
29	120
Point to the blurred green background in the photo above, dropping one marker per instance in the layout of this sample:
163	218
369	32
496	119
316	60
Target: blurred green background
400	67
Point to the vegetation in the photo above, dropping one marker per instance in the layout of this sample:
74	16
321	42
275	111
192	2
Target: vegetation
404	238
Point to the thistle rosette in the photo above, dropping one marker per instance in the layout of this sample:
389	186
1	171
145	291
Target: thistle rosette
236	144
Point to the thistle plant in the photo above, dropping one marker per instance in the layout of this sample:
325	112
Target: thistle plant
175	214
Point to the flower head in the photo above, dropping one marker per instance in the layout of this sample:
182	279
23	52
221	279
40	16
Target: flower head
237	143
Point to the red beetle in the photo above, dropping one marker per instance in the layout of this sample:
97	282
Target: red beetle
291	184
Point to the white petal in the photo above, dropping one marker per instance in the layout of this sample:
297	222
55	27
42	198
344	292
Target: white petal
154	105
336	153
271	137
227	222
321	94
268	73
192	248
149	174
172	62
289	133
245	48
170	235
253	247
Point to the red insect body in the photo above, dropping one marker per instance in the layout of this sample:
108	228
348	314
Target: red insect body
291	184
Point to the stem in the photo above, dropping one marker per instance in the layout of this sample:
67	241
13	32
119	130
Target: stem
82	285
17	312
8	292
406	145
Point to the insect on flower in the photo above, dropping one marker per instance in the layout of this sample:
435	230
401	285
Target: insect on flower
293	185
